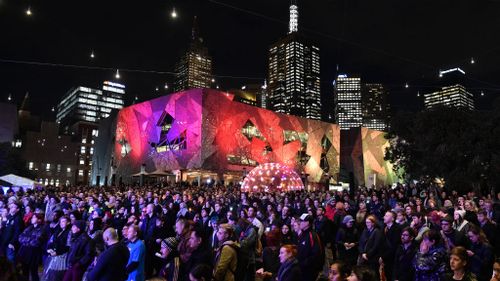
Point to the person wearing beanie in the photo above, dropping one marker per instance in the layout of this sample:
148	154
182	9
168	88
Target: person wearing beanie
81	252
169	253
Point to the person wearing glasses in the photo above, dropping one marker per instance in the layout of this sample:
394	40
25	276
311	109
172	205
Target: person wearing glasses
405	252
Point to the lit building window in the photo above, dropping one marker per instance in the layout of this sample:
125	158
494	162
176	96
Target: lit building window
95	133
30	165
82	150
80	173
68	170
84	140
58	167
47	167
91	150
82	162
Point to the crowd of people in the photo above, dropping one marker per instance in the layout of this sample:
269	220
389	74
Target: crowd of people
184	232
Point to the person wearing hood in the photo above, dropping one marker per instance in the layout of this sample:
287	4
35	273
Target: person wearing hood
347	241
226	256
81	252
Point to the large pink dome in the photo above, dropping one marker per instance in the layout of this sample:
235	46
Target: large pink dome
270	177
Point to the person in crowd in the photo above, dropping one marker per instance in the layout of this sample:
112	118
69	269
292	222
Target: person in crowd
458	266
57	248
361	215
460	223
95	233
419	224
489	229
310	250
11	229
248	242
270	256
451	236
392	235
339	271
290	269
347	241
370	244
496	270
403	258
31	242
137	249
201	272
480	253
112	263
81	252
201	253
287	236
170	254
431	259
226	256
326	231
362	273
148	225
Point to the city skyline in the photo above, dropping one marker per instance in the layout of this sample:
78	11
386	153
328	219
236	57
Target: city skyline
382	49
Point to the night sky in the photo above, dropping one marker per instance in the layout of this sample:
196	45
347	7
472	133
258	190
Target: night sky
392	42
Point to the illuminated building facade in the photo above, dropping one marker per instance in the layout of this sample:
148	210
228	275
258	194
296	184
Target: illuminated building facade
375	107
348	103
194	69
203	135
294	74
78	114
452	93
452	96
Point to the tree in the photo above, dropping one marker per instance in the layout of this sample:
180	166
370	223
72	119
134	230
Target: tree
462	147
12	162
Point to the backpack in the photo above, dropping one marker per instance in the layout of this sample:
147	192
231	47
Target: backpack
241	268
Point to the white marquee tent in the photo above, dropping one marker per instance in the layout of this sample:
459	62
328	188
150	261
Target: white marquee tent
20	182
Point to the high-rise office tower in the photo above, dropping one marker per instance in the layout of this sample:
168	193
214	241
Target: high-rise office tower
78	114
294	82
375	107
194	69
453	93
347	94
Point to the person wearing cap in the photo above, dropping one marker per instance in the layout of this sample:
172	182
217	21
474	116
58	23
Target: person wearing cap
310	250
226	256
137	249
111	265
451	237
169	253
347	241
81	252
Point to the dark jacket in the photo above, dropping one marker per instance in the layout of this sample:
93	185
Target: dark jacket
59	241
31	240
11	231
81	251
310	254
348	235
202	255
290	271
403	269
371	243
111	264
481	262
431	266
148	228
392	240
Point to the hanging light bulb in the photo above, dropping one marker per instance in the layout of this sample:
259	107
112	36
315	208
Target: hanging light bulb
173	14
136	98
92	55
407	86
28	11
157	89
117	75
166	86
53	109
472	61
418	93
482	94
9	98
